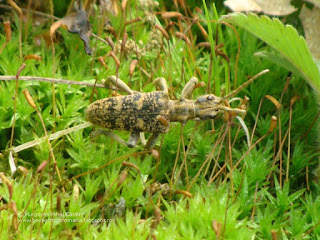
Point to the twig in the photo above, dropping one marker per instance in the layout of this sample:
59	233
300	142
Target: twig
51	137
244	85
33	12
55	80
16	77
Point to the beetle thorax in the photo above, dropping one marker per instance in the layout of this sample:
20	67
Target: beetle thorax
203	108
181	110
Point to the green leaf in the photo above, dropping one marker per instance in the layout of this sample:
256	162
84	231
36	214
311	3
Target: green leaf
279	60
283	38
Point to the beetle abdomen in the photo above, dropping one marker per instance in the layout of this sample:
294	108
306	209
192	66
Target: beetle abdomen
136	112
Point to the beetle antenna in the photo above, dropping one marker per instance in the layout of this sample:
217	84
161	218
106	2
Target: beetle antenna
235	110
233	93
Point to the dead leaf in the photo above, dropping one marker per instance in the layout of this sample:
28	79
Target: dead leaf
77	22
243	5
315	2
276	7
270	7
310	20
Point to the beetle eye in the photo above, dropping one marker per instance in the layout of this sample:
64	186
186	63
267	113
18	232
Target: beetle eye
210	97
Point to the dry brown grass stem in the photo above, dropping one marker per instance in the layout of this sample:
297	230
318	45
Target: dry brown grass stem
33	105
271	129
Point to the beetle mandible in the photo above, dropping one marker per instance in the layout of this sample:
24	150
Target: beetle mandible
153	111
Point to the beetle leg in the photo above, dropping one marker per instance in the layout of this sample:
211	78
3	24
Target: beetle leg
120	84
133	139
191	85
114	136
162	83
189	88
163	120
152	141
143	139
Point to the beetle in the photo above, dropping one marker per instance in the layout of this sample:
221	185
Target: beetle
152	112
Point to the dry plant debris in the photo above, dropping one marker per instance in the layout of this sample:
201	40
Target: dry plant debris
270	7
76	22
311	23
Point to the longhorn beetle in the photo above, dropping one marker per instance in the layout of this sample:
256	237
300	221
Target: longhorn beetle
153	111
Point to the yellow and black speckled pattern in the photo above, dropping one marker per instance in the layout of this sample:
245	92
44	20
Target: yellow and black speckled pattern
134	113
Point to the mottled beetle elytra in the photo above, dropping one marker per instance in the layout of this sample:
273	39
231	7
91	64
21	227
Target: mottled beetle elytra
152	112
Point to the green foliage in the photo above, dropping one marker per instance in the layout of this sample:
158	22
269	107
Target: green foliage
294	53
130	228
283	200
196	222
185	185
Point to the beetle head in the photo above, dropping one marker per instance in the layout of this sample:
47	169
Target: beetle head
206	106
